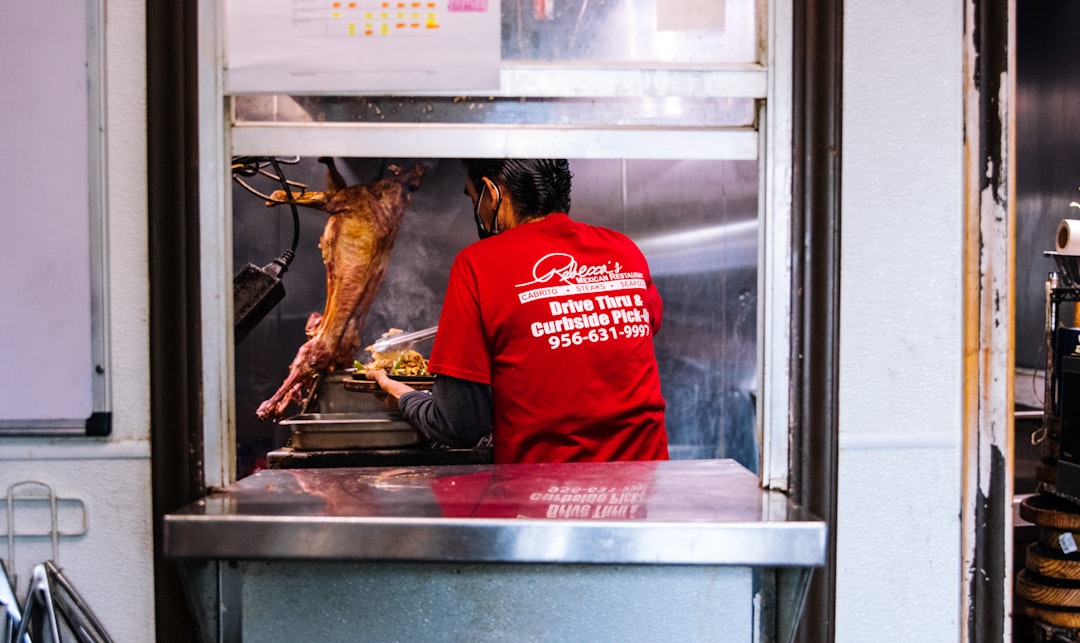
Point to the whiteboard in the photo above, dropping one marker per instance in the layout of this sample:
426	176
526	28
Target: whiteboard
51	338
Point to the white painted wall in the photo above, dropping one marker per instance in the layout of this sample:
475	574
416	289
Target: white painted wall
901	323
111	566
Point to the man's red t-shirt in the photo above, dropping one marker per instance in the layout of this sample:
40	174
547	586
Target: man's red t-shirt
558	317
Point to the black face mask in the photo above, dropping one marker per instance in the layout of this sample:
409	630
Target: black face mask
481	231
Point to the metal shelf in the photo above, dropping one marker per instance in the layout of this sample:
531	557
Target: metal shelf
402	140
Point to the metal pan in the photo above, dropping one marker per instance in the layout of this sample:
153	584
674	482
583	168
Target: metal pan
330	431
358	383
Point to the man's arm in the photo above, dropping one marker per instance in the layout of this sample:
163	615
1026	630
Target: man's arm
456	413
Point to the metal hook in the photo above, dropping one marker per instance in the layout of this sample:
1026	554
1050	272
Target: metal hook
53	527
39	594
74	609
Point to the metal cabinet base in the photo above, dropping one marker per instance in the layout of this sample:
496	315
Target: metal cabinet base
339	601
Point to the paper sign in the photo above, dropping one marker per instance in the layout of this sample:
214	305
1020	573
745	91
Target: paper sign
336	47
686	15
1067	542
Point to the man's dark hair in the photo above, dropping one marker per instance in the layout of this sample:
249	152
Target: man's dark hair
537	186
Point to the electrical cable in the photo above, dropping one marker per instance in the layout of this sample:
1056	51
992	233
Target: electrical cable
288	255
256	290
250	166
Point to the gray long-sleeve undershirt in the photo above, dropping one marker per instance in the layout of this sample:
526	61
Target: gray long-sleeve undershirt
457	412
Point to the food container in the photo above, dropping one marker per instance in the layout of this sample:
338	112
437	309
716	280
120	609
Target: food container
358	383
351	392
331	396
332	431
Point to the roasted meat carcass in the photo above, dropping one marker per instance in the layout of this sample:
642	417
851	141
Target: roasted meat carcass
356	243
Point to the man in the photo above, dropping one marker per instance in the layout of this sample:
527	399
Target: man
545	336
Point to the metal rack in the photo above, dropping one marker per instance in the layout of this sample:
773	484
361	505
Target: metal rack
1045	594
1060	288
49	593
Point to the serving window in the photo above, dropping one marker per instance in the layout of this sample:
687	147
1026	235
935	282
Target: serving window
677	135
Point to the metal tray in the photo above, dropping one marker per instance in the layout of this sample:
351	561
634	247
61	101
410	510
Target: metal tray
374	430
358	383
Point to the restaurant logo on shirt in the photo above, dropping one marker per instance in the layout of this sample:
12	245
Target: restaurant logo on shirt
585	303
571	278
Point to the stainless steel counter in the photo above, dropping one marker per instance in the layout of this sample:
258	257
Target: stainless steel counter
678	512
686	549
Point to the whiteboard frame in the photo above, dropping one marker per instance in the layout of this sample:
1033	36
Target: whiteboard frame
99	424
99	255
